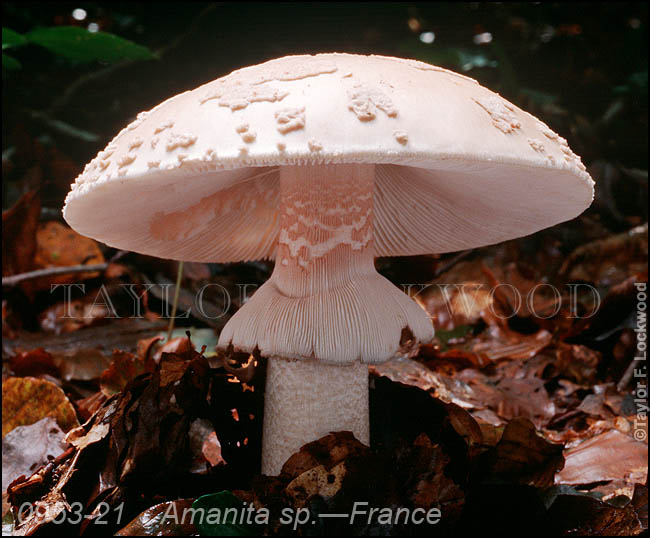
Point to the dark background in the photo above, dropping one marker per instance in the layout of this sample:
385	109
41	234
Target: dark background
581	67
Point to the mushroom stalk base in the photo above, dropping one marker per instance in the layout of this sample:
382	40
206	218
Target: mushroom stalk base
306	400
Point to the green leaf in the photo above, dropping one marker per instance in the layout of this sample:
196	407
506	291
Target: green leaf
11	39
80	45
199	337
457	332
8	524
452	57
214	507
9	63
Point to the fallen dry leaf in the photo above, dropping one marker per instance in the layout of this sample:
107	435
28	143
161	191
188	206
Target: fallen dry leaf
523	457
429	486
205	448
526	398
576	362
81	438
152	521
640	503
407	371
609	456
65	317
123	368
584	515
451	306
316	481
179	345
25	448
327	451
82	364
34	363
58	245
86	407
26	400
19	226
496	343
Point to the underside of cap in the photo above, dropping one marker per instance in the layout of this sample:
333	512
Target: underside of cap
458	205
196	178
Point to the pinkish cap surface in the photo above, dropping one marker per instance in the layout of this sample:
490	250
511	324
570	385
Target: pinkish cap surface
458	166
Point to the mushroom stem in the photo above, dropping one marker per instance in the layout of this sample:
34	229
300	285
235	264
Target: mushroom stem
324	312
325	300
306	400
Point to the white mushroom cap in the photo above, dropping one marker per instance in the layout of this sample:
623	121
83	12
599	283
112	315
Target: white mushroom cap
196	178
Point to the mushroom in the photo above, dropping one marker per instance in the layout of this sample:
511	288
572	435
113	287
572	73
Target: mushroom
323	163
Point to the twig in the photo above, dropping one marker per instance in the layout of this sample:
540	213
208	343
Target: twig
631	242
627	376
198	19
51	271
451	262
177	290
118	256
63	127
86	78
